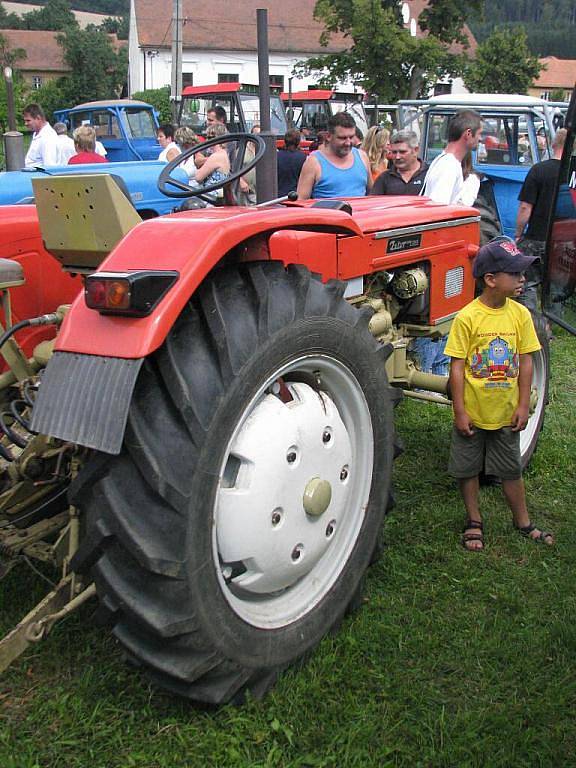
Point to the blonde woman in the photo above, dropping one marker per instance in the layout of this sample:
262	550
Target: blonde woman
376	146
186	139
215	166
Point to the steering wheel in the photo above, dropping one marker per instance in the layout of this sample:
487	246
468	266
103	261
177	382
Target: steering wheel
237	169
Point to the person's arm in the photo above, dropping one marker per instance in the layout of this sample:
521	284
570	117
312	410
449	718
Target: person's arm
172	153
522	219
470	190
462	421
522	412
307	178
366	162
210	164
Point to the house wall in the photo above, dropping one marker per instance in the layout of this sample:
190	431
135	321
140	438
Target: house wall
152	68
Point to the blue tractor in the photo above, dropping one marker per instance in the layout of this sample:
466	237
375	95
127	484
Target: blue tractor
517	132
126	128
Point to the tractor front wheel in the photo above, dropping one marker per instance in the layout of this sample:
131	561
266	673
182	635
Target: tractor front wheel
234	529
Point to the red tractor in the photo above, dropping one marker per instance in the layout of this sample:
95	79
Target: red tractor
219	406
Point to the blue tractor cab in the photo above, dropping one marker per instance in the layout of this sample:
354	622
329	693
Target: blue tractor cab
517	133
126	128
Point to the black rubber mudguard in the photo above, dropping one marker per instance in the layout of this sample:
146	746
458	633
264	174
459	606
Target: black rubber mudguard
84	399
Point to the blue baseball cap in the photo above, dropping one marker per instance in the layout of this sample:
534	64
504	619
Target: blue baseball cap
501	255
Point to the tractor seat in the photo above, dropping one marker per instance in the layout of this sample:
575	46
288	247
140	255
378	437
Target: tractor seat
334	205
11	274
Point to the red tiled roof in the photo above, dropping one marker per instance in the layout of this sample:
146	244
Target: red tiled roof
221	25
42	49
43	54
212	25
559	73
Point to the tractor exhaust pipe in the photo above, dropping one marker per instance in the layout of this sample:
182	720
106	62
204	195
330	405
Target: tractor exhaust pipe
266	170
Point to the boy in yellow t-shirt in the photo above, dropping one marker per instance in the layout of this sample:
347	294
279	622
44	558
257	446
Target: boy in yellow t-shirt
490	379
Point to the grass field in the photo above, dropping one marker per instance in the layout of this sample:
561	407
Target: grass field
455	659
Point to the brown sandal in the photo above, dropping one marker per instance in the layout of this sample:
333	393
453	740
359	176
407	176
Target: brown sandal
540	539
467	537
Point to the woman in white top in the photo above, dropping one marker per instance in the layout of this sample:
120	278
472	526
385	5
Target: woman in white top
170	149
186	139
471	186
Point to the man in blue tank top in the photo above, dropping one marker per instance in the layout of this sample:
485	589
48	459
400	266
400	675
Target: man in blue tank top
337	169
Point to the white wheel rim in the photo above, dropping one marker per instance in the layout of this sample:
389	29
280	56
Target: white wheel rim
538	389
276	561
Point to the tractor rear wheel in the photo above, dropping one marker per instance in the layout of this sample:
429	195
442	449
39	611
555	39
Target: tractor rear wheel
234	529
540	380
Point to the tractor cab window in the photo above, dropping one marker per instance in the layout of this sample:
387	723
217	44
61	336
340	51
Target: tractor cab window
437	137
194	111
314	116
250	105
104	122
139	123
508	140
354	108
559	295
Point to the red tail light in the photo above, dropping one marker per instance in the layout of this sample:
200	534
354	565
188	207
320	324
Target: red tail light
127	293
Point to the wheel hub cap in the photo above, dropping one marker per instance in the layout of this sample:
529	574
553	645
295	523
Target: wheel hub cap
285	490
317	497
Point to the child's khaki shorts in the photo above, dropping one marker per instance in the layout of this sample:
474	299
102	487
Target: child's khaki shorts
496	451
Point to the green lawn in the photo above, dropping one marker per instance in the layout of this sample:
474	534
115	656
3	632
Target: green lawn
455	659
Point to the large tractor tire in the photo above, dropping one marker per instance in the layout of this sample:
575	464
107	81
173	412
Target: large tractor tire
540	381
490	226
234	529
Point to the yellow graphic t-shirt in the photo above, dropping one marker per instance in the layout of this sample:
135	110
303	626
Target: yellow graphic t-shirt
491	342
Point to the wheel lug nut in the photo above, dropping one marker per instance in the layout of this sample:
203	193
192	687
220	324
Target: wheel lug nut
291	457
297	552
276	517
326	436
330	528
343	473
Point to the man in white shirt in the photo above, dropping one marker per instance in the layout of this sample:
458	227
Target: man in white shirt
66	148
444	180
444	183
43	150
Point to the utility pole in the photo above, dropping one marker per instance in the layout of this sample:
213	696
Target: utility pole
177	24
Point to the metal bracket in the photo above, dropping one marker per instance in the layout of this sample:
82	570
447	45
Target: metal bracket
56	605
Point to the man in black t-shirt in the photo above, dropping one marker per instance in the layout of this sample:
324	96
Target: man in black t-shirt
532	219
406	176
290	162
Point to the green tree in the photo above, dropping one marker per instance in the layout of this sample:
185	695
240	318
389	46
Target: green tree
9	20
382	56
160	100
55	15
503	64
52	96
9	57
116	26
97	71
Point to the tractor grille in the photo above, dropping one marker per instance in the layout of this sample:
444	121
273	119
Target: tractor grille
454	282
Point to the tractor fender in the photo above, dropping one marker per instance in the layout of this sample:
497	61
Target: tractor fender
190	243
88	384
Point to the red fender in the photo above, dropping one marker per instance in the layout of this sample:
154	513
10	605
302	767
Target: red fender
190	243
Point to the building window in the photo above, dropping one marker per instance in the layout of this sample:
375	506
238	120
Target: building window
277	81
187	79
36	82
224	77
